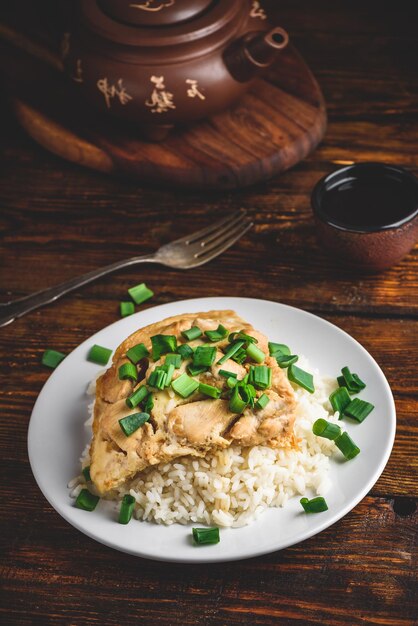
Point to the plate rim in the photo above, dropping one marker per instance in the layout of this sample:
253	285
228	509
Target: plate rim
251	553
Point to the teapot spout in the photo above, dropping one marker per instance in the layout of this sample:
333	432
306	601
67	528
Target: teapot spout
254	52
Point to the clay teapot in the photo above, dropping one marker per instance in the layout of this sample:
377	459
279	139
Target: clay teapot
162	63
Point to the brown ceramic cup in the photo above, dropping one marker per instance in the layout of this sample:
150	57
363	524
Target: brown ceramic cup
383	239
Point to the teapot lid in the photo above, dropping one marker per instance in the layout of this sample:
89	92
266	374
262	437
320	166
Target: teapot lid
153	12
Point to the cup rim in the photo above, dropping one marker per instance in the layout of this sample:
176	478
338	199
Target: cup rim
337	177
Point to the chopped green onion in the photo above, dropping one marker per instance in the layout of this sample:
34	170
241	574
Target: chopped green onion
227	374
204	356
86	500
209	390
184	386
233	349
353	383
240	356
347	446
322	428
216	335
205	535
255	354
195	370
149	404
52	358
168	368
126	509
173	359
161	344
247	393
349	380
358	409
153	377
137	397
360	384
262	402
340	399
127	308
260	376
316	505
236	403
231	382
140	293
86	473
241	335
185	351
341	381
301	378
99	355
158	378
193	333
131	423
128	371
285	360
278	348
137	353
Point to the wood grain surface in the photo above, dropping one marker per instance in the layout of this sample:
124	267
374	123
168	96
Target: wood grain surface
58	220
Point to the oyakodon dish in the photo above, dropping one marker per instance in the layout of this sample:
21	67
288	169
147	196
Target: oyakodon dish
224	390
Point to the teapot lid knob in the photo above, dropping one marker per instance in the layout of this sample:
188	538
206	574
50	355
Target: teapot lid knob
153	12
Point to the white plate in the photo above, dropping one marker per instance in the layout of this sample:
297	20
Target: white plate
57	437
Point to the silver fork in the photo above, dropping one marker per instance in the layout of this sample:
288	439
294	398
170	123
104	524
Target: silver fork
190	251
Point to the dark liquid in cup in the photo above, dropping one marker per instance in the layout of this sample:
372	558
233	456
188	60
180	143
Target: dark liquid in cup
368	202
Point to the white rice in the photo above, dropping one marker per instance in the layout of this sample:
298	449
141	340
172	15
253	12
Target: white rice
232	487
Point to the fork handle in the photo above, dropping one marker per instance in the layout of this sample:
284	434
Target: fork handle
10	311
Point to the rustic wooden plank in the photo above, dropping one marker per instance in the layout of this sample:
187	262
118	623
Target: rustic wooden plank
315	286
363	18
304	277
365	580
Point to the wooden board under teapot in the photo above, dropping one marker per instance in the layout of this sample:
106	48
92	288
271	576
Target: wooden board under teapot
275	125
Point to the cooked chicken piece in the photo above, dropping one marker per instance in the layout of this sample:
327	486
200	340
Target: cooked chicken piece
201	423
177	427
265	427
228	366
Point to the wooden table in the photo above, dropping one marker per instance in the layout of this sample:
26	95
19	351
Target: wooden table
59	220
